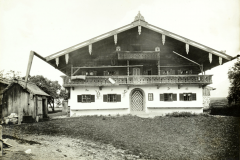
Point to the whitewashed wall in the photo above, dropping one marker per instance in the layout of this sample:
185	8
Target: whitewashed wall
154	107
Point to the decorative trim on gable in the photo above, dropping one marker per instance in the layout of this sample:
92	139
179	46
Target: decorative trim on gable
140	22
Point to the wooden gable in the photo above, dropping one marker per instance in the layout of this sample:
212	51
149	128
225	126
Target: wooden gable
101	51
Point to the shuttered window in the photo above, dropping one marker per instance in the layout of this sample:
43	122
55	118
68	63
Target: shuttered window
194	96
168	97
174	96
161	97
104	98
112	98
188	96
86	98
181	97
79	98
92	98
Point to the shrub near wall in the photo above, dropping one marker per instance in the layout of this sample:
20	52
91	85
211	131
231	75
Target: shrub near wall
233	110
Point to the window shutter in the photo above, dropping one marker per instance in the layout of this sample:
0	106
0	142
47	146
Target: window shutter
79	98
194	96
181	97
166	97
118	97
92	98
105	98
174	97
161	97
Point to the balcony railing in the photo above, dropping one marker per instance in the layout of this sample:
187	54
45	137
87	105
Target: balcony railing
137	80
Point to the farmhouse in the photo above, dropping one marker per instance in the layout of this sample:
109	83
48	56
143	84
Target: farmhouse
137	68
26	100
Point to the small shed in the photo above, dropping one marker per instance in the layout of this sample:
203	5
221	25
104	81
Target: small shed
28	102
3	84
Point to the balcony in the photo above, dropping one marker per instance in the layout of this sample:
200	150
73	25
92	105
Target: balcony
137	80
141	55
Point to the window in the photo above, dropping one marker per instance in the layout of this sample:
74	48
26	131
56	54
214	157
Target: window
136	71
118	48
150	96
157	49
112	98
86	98
168	97
188	96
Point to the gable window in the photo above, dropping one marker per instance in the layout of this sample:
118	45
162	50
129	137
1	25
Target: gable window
168	97
86	98
112	98
150	96
188	96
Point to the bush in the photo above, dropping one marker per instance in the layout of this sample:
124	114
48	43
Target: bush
233	110
181	114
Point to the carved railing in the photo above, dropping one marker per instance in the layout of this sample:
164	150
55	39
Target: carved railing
134	80
144	55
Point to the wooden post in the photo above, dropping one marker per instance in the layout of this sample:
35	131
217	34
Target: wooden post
1	141
159	67
29	67
128	68
53	104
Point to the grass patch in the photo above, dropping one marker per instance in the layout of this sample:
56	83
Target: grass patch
195	137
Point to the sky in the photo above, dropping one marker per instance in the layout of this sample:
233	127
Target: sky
49	26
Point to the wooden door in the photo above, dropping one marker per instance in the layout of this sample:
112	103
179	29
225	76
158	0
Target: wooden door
39	107
137	100
136	73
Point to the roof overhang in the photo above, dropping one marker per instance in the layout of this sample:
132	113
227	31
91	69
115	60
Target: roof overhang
142	23
138	22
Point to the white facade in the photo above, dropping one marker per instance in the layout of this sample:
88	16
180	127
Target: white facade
99	107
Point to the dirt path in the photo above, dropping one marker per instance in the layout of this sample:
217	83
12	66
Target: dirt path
52	148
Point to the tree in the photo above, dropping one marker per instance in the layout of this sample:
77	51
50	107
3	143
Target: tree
10	75
53	88
234	77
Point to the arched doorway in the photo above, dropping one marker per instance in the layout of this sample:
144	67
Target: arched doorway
137	100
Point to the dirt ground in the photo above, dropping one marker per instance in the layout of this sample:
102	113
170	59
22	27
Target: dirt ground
51	148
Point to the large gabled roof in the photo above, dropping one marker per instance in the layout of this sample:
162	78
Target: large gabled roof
140	22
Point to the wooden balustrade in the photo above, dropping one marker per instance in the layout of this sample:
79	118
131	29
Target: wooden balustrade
143	79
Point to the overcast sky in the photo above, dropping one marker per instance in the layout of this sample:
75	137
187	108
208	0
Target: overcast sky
48	26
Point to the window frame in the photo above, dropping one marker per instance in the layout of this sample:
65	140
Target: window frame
85	98
112	98
168	97
150	97
188	96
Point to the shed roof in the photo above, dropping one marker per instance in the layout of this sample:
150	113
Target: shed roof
31	88
5	81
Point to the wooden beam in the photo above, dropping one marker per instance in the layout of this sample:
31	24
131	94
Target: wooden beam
75	71
39	56
185	58
110	66
29	67
179	66
128	68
